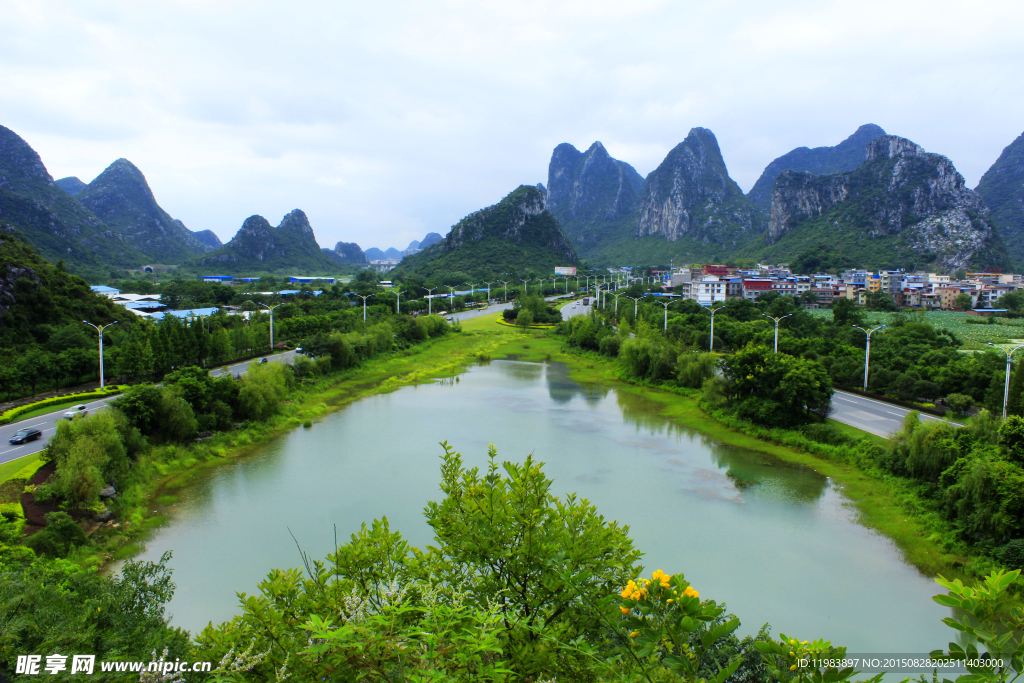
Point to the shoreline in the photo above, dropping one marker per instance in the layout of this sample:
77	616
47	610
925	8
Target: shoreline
875	503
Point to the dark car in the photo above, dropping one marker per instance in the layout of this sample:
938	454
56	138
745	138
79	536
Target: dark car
26	435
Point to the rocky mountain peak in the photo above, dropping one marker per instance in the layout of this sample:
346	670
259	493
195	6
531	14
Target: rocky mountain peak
122	198
691	194
72	185
19	162
296	221
1002	188
892	147
589	191
348	252
846	156
901	196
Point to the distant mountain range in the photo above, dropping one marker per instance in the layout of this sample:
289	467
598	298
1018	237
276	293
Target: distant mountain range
689	209
258	247
518	235
112	223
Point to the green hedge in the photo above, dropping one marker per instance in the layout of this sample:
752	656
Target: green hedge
13	413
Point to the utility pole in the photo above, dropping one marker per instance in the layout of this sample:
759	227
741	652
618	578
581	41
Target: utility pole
100	328
271	309
1006	387
777	321
867	351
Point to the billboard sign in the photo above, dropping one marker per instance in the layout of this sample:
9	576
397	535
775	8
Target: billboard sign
565	270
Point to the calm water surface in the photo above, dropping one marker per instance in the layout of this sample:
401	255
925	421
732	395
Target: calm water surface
777	543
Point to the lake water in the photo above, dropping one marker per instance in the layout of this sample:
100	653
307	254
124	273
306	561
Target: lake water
778	543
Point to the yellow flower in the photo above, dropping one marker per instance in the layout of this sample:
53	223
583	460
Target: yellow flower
624	610
628	590
691	592
793	668
634	634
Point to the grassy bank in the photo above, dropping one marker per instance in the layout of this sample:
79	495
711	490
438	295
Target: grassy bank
888	505
168	468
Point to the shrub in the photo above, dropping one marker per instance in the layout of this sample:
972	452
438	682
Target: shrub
88	452
609	346
1012	554
693	369
60	536
959	403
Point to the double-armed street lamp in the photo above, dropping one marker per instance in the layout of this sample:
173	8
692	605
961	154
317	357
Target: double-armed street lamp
666	305
451	296
636	306
867	350
430	299
713	310
364	297
1006	386
271	309
526	286
777	321
505	282
489	290
100	328
398	299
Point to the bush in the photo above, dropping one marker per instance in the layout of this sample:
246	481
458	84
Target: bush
88	452
1012	554
60	536
825	433
609	346
715	393
646	358
263	388
959	403
693	369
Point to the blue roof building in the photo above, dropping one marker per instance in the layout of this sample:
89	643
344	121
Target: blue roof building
216	278
105	291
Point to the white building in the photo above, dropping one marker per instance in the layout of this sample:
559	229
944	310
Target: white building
708	289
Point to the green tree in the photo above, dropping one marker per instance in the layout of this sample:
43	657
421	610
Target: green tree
542	560
775	388
88	452
524	319
963	302
845	313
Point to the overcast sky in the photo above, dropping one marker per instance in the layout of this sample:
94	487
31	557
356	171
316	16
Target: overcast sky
387	120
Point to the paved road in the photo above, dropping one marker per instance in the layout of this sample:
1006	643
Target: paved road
568	311
493	308
870	415
240	368
48	423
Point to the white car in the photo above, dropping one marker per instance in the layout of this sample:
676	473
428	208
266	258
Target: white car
76	411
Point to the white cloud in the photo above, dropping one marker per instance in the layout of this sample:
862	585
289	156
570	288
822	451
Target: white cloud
384	121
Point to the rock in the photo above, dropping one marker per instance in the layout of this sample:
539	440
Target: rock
104	516
108	492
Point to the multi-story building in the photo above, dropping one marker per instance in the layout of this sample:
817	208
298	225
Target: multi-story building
708	290
755	287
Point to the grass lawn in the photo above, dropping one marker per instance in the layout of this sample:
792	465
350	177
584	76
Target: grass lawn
9	469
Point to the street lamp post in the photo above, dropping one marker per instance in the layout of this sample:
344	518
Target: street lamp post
489	290
505	282
711	344
636	306
364	298
398	300
472	290
1006	386
617	302
867	350
430	299
666	305
451	296
526	286
271	309
100	328
777	321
